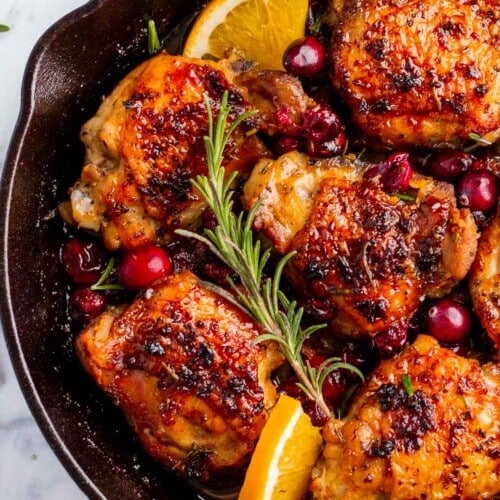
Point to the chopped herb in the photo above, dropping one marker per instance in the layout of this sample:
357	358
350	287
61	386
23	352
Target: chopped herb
405	196
3	28
407	385
154	44
101	282
233	242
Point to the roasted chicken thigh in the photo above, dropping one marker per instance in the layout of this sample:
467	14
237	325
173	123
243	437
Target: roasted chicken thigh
425	425
145	144
181	363
419	72
370	255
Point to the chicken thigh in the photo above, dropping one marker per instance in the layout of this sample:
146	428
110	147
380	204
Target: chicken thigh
419	72
181	363
425	425
146	143
369	254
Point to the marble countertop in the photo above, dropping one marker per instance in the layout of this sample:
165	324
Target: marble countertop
29	470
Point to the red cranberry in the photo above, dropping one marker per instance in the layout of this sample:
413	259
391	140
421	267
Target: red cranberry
478	190
449	164
391	341
395	172
304	57
449	321
83	261
285	144
318	310
318	418
335	385
85	304
140	267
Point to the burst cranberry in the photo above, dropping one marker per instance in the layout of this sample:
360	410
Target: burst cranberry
323	131
395	172
318	418
318	310
449	164
142	266
449	321
391	341
478	190
86	303
83	261
285	144
304	57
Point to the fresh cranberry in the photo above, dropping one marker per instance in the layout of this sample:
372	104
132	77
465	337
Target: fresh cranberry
395	172
140	267
478	190
304	57
391	341
83	261
86	303
286	143
449	164
449	321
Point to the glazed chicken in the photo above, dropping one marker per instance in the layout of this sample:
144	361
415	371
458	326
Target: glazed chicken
369	255
145	144
181	363
419	72
425	425
484	279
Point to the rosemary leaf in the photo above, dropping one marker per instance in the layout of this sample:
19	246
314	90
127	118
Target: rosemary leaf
3	28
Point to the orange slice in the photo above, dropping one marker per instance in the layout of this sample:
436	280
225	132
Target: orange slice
285	454
259	30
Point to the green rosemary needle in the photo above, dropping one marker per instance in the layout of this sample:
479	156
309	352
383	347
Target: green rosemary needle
234	243
154	44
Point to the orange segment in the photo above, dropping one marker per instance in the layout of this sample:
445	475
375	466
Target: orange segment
259	30
285	454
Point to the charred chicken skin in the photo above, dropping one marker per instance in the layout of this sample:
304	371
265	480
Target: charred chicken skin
437	438
370	255
419	72
181	363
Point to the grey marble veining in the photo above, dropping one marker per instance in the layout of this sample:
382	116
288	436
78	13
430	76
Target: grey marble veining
29	469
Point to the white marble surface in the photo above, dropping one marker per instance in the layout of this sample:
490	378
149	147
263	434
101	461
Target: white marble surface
29	469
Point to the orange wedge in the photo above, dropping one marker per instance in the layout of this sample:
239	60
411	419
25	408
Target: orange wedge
259	30
285	454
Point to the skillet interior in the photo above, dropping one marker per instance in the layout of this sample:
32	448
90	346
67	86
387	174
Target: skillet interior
74	64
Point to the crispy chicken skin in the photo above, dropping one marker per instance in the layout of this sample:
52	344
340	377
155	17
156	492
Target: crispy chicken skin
145	144
419	72
484	279
180	362
370	255
443	441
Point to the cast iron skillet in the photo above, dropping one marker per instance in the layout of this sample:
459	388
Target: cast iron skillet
74	64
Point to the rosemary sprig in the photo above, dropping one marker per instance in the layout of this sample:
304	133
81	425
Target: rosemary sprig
233	242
